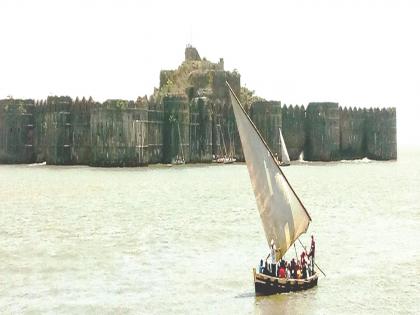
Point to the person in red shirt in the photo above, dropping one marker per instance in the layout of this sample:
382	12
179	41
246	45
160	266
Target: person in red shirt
282	272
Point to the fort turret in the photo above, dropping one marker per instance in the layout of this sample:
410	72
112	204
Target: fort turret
81	136
352	133
381	134
59	130
16	131
322	132
191	54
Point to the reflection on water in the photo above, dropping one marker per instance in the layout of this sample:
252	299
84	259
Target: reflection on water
185	239
289	303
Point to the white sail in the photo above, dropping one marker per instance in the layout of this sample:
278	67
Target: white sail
282	213
284	154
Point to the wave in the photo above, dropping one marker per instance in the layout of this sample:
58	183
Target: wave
364	160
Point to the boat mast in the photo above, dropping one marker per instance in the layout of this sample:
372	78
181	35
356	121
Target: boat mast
280	147
223	140
230	144
180	143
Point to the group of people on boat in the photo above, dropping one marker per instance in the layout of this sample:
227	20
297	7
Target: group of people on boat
295	269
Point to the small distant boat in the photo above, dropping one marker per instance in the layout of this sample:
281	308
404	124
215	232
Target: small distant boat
283	215
229	160
38	164
284	158
225	160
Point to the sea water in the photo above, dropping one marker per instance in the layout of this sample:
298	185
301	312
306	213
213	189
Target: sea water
184	239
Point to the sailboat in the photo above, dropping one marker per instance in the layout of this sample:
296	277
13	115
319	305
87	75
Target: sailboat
284	158
282	213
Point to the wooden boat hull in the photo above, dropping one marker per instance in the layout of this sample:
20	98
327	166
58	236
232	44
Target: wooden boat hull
267	285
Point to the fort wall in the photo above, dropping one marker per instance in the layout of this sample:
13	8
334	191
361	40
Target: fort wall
61	131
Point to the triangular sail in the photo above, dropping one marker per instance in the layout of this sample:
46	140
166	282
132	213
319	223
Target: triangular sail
283	215
284	154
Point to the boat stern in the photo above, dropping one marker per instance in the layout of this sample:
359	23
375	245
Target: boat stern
267	285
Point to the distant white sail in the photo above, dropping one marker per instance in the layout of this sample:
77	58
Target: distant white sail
284	154
283	215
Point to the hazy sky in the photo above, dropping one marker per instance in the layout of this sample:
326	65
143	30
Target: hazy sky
358	53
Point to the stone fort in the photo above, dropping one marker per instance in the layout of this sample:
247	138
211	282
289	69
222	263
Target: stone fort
188	116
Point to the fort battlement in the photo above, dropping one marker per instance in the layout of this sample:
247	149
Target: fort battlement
188	118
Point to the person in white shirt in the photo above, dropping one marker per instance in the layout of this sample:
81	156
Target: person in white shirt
273	258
